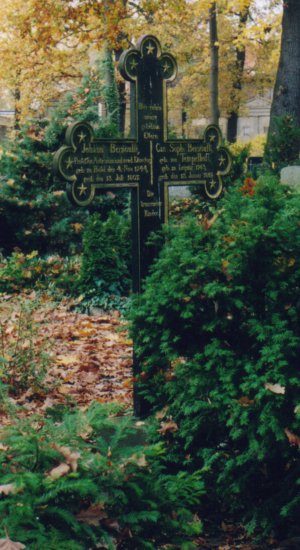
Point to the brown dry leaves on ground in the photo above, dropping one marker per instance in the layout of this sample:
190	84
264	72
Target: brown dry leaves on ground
89	356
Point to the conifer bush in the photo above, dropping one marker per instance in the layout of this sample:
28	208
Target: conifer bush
86	481
283	145
35	213
105	265
217	334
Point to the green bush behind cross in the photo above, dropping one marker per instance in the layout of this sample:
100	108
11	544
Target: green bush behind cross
217	333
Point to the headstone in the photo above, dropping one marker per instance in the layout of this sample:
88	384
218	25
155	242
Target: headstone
147	164
253	164
290	175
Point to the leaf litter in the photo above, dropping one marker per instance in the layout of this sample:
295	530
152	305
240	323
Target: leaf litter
89	356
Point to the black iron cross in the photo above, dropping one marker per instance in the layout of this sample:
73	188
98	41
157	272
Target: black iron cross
148	164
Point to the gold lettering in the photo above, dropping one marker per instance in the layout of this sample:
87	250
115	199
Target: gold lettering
150	213
160	149
116	148
150	204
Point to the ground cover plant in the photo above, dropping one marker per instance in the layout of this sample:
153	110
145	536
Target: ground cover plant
105	272
88	481
217	333
20	271
80	479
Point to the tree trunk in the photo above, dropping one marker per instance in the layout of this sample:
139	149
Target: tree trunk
214	64
109	90
122	96
286	98
240	57
232	125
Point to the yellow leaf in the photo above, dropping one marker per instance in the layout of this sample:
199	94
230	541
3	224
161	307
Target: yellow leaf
67	360
27	274
64	390
127	342
77	227
32	254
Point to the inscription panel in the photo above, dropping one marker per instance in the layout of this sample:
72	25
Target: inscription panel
105	163
184	162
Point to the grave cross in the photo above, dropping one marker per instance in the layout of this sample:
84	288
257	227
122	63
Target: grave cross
147	164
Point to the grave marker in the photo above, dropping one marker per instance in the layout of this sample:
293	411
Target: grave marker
148	163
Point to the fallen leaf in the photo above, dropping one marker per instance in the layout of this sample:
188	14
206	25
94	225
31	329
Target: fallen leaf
245	401
293	438
168	427
70	456
92	515
7	489
275	388
139	460
228	527
59	471
7	544
208	222
67	360
112	524
161	414
64	389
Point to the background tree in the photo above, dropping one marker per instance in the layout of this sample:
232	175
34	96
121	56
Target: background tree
286	99
238	70
214	64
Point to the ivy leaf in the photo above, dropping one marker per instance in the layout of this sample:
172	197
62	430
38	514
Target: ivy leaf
7	544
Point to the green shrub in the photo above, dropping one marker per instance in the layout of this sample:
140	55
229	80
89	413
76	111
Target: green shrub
87	481
283	145
105	257
240	153
34	211
27	271
217	334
